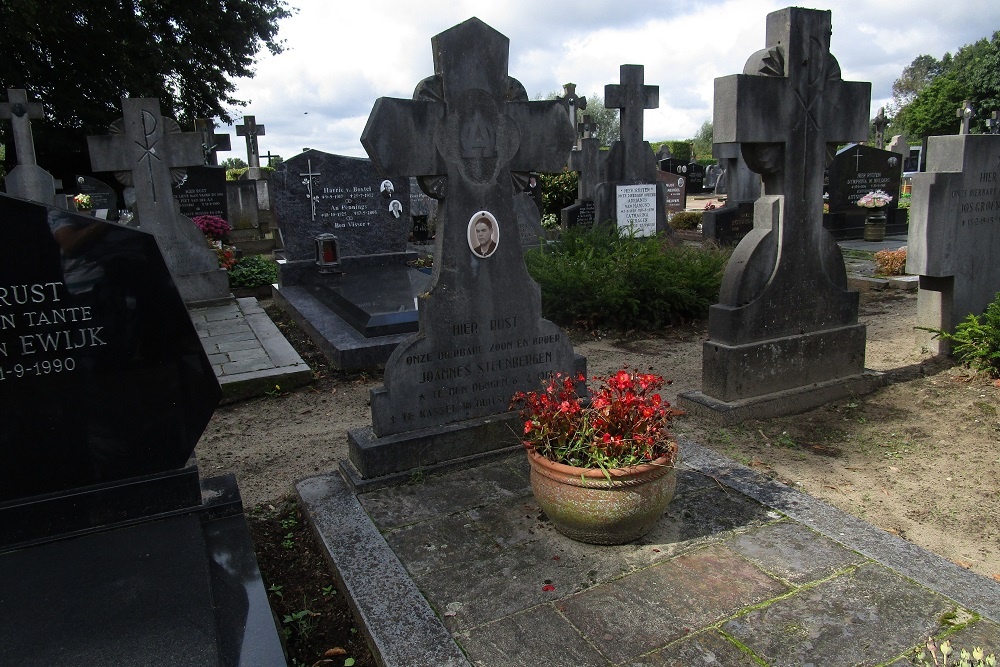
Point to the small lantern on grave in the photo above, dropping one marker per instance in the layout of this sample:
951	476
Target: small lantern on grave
327	255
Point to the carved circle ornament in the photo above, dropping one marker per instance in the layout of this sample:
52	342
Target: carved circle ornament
483	234
149	123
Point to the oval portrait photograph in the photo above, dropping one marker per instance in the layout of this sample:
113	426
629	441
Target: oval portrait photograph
484	234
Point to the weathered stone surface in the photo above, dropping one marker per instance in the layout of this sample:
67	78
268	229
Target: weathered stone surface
955	232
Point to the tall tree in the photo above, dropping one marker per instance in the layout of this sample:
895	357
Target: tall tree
80	57
703	141
608	122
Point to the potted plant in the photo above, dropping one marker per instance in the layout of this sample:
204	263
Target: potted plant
875	220
603	471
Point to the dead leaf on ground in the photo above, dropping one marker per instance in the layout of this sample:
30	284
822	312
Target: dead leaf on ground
823	450
996	576
334	652
962	564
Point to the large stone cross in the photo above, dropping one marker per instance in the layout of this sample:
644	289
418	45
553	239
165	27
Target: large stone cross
879	123
251	130
27	180
965	114
588	162
632	98
473	125
789	109
147	151
574	101
211	142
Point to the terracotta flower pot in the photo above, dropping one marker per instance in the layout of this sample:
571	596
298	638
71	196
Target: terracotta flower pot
586	506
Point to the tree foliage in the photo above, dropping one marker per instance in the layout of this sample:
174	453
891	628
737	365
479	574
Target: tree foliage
703	141
80	57
929	91
608	122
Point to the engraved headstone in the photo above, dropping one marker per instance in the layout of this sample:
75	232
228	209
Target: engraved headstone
103	199
729	224
146	152
588	160
630	161
784	336
27	180
204	192
954	238
481	335
106	390
674	191
855	171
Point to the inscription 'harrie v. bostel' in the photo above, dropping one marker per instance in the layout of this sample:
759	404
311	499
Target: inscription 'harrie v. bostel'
470	128
785	319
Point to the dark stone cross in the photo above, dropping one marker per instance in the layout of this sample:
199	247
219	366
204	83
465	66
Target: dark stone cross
588	162
786	280
147	151
251	130
633	98
270	158
211	142
27	180
993	123
573	100
472	124
586	128
965	113
880	122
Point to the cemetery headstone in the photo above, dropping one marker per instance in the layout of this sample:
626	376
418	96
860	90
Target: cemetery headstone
674	191
110	534
729	224
853	172
27	180
784	336
965	114
204	192
147	151
630	166
481	335
588	160
250	130
955	232
879	123
993	123
695	178
899	144
211	143
712	172
103	198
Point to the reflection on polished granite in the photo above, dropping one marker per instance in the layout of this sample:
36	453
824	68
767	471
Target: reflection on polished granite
375	300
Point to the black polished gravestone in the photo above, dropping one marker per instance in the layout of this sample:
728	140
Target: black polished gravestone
853	172
358	310
447	388
203	192
113	551
784	336
103	198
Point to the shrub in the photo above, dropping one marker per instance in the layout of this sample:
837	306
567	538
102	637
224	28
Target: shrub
214	227
558	191
890	262
253	271
602	277
976	341
685	220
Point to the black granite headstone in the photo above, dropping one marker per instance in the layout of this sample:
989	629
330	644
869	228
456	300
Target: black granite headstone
674	191
203	192
315	193
727	226
579	215
102	196
108	533
857	170
695	178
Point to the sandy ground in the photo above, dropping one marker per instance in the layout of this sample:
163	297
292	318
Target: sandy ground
919	458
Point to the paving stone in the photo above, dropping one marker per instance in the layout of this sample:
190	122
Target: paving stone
860	618
228	327
793	552
653	607
538	636
230	337
443	494
249	354
706	648
249	366
441	543
237	345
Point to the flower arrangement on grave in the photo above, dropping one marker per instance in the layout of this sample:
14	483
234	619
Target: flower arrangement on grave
82	202
876	199
214	227
603	472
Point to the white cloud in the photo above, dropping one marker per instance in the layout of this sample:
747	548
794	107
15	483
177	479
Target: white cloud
341	57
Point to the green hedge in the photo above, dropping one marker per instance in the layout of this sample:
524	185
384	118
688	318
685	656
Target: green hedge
604	278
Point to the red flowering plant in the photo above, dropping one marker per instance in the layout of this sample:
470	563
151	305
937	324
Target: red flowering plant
625	423
213	226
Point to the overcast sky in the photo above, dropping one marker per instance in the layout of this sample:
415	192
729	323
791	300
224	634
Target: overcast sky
342	56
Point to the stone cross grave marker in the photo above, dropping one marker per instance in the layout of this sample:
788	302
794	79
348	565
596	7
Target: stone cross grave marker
631	196
481	335
27	180
879	123
954	237
993	123
251	130
146	150
965	113
785	319
573	101
210	141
